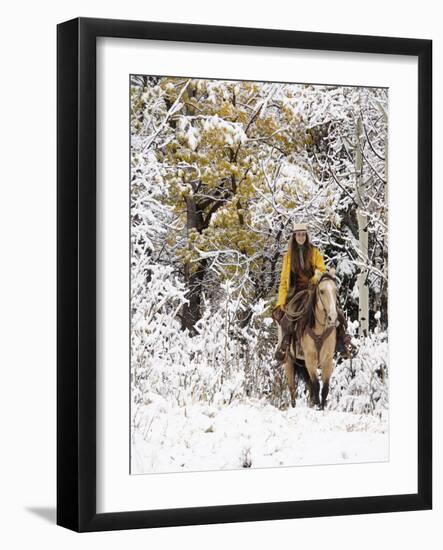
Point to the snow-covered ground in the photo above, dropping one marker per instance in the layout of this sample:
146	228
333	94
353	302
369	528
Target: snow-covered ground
167	438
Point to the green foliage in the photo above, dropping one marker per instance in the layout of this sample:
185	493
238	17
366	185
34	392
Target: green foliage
215	144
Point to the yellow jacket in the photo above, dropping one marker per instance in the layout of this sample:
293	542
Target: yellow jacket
317	263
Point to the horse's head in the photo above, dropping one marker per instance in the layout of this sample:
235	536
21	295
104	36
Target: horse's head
326	297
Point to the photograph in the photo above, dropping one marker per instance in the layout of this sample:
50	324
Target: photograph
223	224
259	327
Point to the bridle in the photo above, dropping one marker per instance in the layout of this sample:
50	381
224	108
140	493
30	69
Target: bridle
320	299
319	339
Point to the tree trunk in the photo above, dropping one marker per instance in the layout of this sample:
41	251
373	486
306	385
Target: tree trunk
191	312
362	221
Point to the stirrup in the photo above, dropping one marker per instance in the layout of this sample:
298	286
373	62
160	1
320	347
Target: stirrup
279	355
283	348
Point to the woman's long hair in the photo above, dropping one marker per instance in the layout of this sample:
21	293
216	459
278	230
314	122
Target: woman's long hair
307	257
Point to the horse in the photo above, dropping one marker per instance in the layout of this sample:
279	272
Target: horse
316	333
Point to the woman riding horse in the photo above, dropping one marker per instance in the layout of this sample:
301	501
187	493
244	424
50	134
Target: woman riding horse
303	264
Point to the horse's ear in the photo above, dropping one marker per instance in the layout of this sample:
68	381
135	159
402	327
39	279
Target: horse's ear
332	272
318	274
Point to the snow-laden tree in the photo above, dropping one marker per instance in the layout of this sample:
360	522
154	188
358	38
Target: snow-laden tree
219	172
348	155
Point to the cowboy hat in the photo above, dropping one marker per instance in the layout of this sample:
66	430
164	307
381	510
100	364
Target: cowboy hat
299	227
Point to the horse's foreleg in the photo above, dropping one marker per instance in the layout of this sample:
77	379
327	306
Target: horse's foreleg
314	386
315	396
290	377
326	372
324	394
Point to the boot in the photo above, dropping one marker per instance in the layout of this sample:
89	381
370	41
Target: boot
349	349
280	352
345	347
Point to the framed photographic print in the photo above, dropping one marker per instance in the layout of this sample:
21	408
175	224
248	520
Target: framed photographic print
244	274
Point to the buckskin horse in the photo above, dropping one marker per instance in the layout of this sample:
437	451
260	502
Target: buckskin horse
315	334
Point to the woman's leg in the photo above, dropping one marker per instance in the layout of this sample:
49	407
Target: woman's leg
285	330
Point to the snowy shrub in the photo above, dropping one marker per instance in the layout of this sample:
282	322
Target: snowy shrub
220	364
360	385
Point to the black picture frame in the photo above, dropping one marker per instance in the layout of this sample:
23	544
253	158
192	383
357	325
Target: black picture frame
76	273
